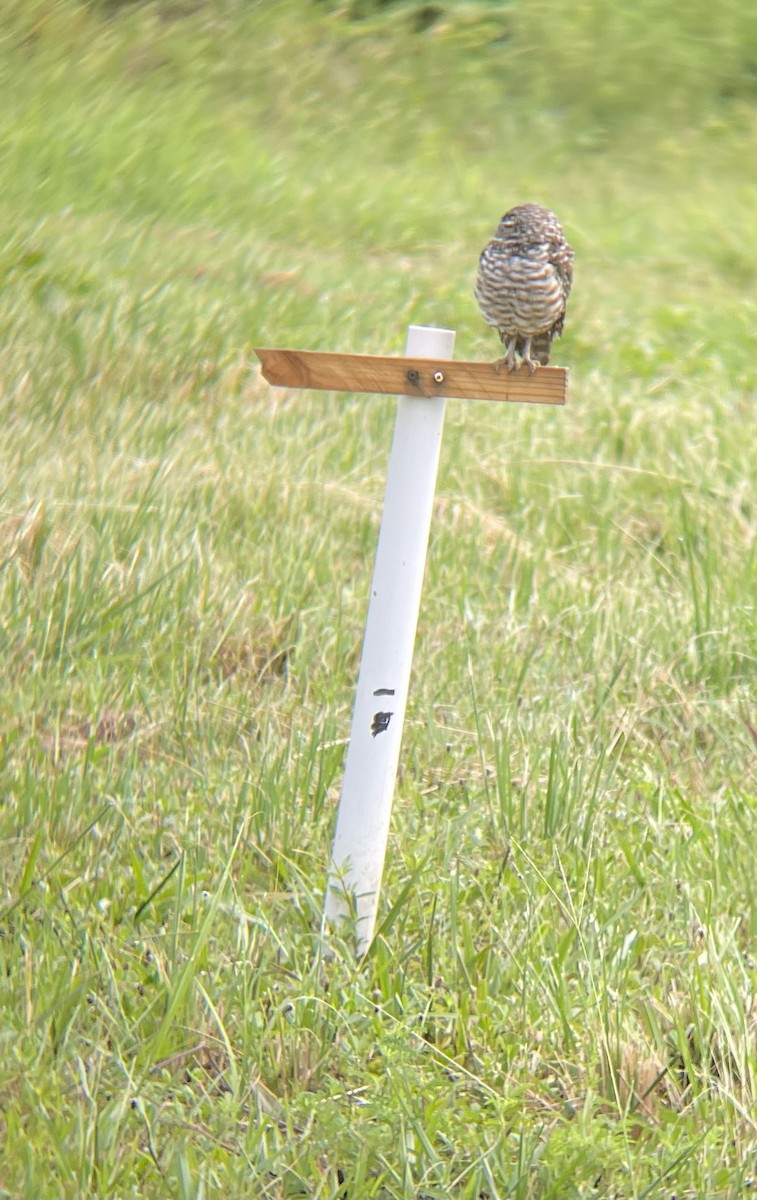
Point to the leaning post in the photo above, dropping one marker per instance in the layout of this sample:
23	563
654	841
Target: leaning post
422	380
365	807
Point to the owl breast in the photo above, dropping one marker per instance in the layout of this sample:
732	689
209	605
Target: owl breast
519	294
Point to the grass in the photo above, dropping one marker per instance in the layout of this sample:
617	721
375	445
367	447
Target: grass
560	1000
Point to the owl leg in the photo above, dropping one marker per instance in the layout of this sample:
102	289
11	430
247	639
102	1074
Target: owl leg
509	360
526	356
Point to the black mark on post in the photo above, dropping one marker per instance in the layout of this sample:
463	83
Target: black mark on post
384	692
413	377
380	722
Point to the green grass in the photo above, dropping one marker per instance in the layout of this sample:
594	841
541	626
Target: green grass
560	1000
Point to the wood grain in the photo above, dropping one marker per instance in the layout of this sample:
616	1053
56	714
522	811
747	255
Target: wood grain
411	377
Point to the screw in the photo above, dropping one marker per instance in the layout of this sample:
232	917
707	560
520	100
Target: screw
438	377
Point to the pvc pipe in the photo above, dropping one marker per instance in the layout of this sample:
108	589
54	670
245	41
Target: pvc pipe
362	827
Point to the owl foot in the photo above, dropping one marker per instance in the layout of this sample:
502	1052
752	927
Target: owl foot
508	362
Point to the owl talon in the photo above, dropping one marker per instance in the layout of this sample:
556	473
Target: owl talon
507	362
512	366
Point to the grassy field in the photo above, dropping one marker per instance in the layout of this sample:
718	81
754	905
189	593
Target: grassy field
560	1002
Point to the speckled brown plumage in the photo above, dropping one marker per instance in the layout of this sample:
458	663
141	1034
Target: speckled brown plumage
523	283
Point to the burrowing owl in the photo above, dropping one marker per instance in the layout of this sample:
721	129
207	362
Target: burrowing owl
523	283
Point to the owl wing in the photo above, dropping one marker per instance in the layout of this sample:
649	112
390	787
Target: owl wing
561	257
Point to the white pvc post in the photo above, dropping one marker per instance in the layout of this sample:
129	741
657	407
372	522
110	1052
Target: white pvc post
365	807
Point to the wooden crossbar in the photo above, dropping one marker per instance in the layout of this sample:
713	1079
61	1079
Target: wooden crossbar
412	376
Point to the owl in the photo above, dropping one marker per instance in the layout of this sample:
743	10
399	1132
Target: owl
523	283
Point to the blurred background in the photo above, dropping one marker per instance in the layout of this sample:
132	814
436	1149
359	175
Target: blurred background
367	149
